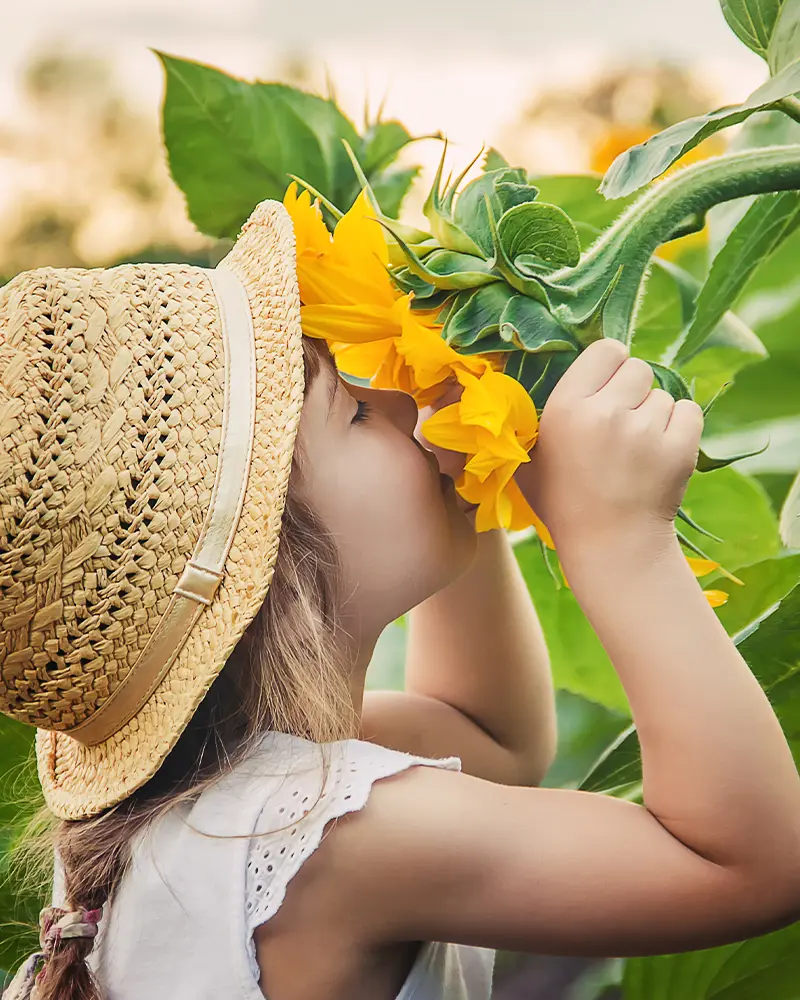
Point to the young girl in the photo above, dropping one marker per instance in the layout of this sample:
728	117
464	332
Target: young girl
233	815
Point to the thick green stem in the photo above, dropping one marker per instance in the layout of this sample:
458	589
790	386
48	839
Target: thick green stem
790	106
626	249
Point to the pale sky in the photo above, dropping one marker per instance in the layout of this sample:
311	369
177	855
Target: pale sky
464	67
446	64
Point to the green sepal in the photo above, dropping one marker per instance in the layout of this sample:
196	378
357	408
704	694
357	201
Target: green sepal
441	222
416	237
362	178
502	264
459	270
407	281
492	343
693	524
538	373
671	381
722	389
543	235
470	212
337	213
450	189
707	464
447	307
547	559
494	160
704	555
510	194
529	326
477	315
438	298
396	256
445	268
581	306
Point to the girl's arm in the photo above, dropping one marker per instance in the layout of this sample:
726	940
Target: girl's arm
713	855
477	676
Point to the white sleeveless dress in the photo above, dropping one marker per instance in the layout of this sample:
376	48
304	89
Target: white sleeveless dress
182	921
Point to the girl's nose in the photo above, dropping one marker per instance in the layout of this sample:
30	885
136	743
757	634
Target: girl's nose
399	407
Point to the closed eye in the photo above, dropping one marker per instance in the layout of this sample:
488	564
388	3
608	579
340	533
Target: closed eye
363	410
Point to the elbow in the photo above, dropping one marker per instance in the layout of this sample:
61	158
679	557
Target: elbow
775	897
532	768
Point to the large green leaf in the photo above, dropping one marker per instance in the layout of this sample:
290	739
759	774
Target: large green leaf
618	766
765	582
578	660
782	455
770	305
231	143
380	145
644	162
737	509
784	46
771	219
754	21
762	968
661	322
790	516
661	316
772	650
390	187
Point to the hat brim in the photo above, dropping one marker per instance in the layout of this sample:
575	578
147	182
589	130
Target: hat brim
79	781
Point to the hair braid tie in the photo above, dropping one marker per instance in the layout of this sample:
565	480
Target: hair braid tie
55	925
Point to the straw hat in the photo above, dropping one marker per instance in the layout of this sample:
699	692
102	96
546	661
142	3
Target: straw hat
148	416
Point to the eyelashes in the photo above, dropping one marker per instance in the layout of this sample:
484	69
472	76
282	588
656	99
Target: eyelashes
362	412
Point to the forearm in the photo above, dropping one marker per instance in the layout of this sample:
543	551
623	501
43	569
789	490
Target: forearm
478	646
718	773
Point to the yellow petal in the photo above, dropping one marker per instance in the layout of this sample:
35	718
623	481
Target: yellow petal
445	429
325	280
701	567
716	598
358	235
362	360
311	233
351	324
483	401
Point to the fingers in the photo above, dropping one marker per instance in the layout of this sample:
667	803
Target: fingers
657	408
685	430
592	369
629	385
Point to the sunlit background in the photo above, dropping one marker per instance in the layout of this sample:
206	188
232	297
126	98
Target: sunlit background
553	86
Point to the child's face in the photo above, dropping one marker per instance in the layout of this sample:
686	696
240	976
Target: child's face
400	531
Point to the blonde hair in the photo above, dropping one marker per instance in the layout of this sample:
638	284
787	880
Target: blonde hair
287	673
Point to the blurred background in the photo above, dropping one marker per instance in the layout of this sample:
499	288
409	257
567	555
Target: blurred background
556	87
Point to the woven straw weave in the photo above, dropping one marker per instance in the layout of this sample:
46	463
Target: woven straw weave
111	403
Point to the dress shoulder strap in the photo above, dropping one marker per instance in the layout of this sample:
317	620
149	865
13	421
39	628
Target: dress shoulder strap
311	791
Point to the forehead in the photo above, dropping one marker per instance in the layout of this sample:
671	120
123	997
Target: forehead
326	373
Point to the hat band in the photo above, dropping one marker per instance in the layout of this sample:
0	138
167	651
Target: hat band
203	571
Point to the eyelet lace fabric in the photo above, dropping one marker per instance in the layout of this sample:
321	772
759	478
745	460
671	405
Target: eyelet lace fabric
295	814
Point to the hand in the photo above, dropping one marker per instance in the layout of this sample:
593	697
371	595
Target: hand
451	463
613	455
